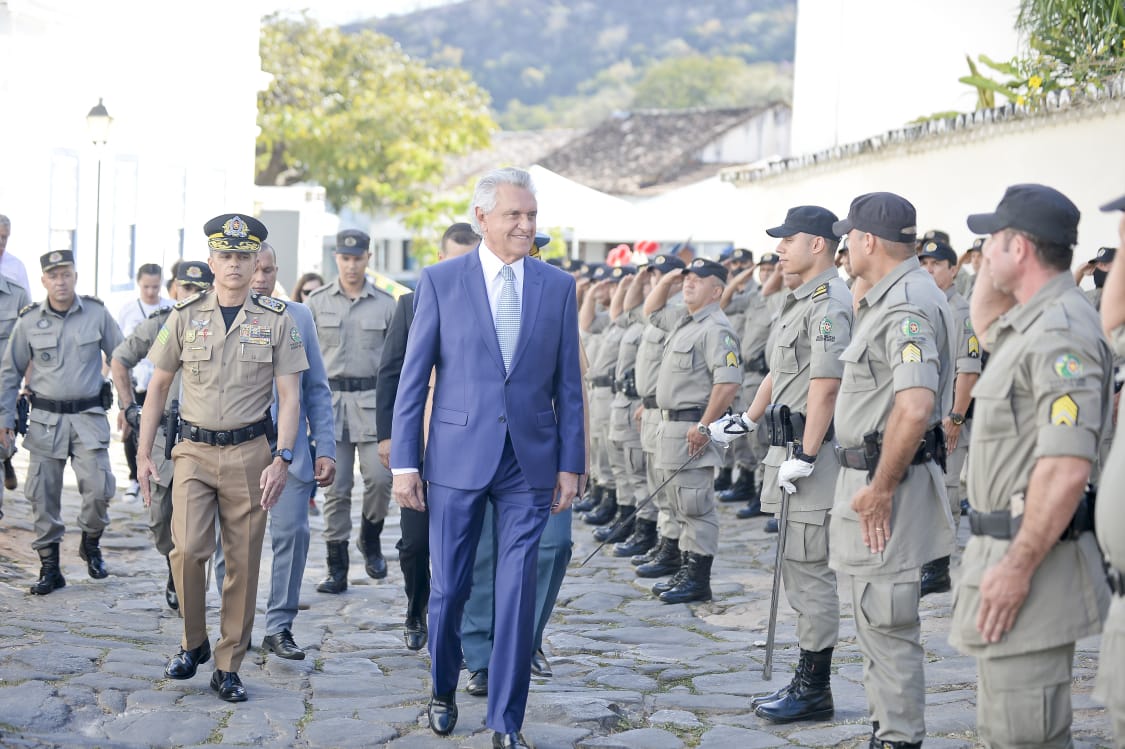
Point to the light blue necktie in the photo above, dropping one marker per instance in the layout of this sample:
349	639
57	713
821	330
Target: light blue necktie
508	316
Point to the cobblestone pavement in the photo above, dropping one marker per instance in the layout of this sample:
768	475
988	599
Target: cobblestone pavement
82	667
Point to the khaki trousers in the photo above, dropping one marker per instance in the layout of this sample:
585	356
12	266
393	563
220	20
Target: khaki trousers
376	488
810	586
1110	688
692	502
220	481
1023	701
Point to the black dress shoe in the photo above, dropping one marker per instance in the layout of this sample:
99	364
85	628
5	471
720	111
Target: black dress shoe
771	525
184	663
10	480
540	666
442	713
415	633
478	683
283	646
228	685
510	741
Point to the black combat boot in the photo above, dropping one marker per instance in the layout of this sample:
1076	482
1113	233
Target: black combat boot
591	499
622	524
695	585
875	743
742	489
50	577
170	596
809	696
722	480
665	562
91	553
337	580
643	539
651	554
605	511
779	693
676	578
935	577
374	563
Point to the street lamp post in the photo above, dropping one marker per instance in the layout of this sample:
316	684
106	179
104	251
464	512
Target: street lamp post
97	126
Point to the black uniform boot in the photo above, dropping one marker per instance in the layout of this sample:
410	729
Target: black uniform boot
722	480
91	554
50	577
935	577
622	524
643	539
170	596
810	697
675	579
337	580
779	693
591	499
374	563
605	511
665	562
696	584
651	554
742	489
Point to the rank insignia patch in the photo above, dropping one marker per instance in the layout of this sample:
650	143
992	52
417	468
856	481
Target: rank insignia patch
732	359
820	291
1064	411
163	336
1068	366
911	354
974	347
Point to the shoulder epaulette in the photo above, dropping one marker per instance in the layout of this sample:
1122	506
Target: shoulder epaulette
28	308
93	299
185	302
159	311
274	305
820	291
317	290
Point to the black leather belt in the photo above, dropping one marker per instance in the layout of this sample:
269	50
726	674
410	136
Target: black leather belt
649	401
866	458
605	381
1004	526
351	384
227	438
683	414
1116	579
758	364
65	407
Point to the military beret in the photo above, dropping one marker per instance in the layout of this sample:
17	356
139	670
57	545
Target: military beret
232	232
195	273
703	267
56	259
352	242
1041	211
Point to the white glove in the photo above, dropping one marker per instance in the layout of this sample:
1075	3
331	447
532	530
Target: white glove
726	429
790	471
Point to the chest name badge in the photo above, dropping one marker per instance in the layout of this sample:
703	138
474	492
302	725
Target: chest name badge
258	335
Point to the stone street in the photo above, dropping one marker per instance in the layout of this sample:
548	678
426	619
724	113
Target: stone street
82	667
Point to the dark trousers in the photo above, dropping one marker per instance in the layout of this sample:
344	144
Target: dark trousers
414	559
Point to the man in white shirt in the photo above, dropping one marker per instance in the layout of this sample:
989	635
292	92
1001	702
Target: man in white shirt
135	312
10	265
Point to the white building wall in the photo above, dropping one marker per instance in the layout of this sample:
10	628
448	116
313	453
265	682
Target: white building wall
760	137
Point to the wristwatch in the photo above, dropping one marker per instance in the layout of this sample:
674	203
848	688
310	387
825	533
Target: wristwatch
957	419
703	429
285	454
801	455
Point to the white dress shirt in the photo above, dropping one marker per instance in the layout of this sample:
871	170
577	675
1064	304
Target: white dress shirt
12	267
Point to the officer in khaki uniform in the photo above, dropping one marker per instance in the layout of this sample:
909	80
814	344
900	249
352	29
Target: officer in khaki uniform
63	339
812	331
1110	687
352	317
230	346
890	514
191	278
699	378
1032	581
940	261
664	557
13	298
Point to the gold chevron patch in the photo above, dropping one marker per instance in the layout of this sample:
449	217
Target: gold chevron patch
1064	411
974	347
911	354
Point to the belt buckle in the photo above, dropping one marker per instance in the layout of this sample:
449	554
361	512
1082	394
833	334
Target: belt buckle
221	438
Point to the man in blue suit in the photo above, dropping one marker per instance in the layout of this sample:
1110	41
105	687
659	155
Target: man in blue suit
506	429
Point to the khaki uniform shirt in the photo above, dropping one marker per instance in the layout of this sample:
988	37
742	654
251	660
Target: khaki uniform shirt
13	298
351	336
814	328
1047	392
228	375
702	351
65	353
622	425
650	352
1110	514
902	338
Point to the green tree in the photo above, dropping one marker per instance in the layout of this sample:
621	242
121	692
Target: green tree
699	81
355	114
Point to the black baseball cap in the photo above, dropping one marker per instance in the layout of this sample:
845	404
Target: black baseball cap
1037	209
1115	205
884	214
352	242
742	255
938	250
769	258
978	245
665	263
1105	255
807	219
703	267
936	234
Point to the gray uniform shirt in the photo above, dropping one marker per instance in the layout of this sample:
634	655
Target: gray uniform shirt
1111	514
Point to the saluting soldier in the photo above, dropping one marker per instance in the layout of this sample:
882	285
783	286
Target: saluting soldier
63	339
600	339
1032	581
1110	687
191	278
940	261
13	298
813	330
352	317
890	514
232	346
699	378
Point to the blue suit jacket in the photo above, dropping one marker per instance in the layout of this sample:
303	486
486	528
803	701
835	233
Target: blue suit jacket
539	402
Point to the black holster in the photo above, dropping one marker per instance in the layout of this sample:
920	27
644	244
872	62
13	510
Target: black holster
171	428
23	413
106	394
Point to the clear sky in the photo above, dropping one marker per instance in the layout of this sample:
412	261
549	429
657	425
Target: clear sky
332	12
